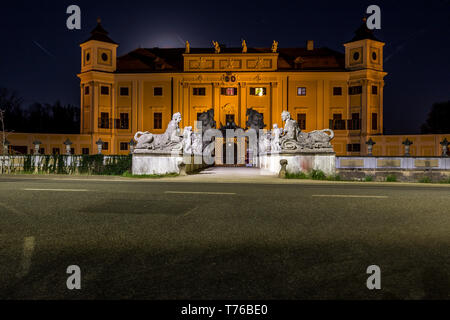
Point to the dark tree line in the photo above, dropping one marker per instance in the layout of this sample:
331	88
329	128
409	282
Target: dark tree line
38	117
438	120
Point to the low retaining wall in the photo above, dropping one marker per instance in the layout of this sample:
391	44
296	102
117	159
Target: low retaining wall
400	163
408	169
161	164
397	175
299	162
65	164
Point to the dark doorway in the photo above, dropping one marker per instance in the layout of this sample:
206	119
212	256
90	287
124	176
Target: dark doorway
230	152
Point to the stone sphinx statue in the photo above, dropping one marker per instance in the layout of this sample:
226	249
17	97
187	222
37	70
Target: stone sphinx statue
171	140
293	139
206	119
255	119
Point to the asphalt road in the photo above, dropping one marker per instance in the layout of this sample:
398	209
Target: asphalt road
170	240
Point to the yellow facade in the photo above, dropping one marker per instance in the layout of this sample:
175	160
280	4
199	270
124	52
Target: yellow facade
321	89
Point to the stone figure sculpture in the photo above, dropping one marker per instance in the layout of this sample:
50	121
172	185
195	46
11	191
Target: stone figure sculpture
264	142
244	46
171	140
293	139
216	47
197	143
187	140
275	46
276	134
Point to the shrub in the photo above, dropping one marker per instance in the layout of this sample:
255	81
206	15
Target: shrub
300	175
318	175
334	178
425	180
391	178
368	178
147	176
63	164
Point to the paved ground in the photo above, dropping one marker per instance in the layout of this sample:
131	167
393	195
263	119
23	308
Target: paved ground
181	238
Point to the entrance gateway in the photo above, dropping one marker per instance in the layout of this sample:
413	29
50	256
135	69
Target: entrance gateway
232	150
285	149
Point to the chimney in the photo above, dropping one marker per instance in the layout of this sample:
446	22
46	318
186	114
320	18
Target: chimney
310	45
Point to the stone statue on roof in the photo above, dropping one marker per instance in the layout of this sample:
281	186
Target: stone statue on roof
244	46
188	47
216	46
275	46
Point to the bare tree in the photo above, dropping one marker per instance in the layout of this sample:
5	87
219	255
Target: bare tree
4	136
2	123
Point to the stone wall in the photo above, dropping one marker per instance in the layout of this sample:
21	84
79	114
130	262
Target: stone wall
408	169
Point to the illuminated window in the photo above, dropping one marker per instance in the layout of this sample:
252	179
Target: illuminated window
105	146
158	92
86	90
199	91
259	92
301	91
228	91
85	151
157	120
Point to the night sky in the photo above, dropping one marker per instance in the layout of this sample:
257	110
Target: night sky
40	57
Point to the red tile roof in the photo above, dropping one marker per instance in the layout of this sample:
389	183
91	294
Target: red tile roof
171	60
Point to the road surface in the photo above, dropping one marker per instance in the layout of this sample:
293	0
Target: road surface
136	239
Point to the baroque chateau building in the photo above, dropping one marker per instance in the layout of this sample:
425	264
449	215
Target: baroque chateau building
320	87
